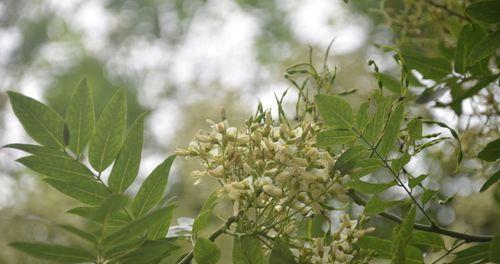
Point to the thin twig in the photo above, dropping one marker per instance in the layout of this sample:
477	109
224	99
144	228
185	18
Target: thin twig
434	229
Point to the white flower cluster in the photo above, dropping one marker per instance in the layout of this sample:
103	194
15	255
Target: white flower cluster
339	249
266	163
275	175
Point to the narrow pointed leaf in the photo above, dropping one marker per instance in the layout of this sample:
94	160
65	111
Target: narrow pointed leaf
494	252
80	117
150	252
473	254
427	239
413	182
486	11
349	158
59	168
470	35
42	123
137	227
391	132
109	130
80	233
281	254
336	112
334	137
117	219
415	128
362	116
383	248
203	217
492	180
365	166
376	206
85	190
376	123
491	152
112	204
485	47
367	187
152	189
39	150
127	164
54	252
160	229
403	237
206	252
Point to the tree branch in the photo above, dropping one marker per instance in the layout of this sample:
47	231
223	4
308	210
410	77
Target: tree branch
434	229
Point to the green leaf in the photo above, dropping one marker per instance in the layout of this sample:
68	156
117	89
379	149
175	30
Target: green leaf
430	68
391	132
59	168
150	252
491	152
427	239
247	250
485	47
349	158
109	130
54	252
137	227
376	206
85	190
485	11
203	218
492	180
390	83
160	229
281	254
152	189
383	248
80	118
39	150
205	251
42	123
365	166
494	252
80	233
127	164
428	195
111	205
403	237
413	182
399	163
336	112
470	35
474	89
117	219
366	187
472	254
415	128
376	123
362	116
334	137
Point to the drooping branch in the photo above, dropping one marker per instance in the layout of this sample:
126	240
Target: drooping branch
429	228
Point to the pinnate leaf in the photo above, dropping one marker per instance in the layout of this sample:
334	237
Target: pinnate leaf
336	112
403	237
59	168
109	130
152	189
54	252
42	123
491	152
80	118
127	164
83	189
